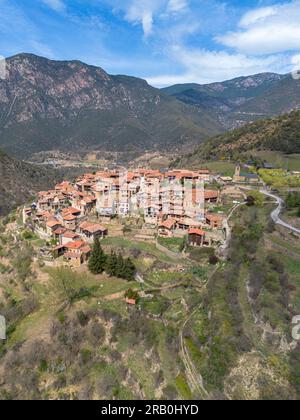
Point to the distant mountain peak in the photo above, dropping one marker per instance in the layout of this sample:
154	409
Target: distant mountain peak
244	99
68	105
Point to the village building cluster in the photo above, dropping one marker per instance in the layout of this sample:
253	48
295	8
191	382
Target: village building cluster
174	203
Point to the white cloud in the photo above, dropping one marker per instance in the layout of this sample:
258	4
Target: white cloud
177	5
267	30
142	12
147	21
202	66
145	12
257	15
264	40
57	5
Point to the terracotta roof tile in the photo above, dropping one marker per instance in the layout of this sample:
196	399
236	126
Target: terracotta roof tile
198	232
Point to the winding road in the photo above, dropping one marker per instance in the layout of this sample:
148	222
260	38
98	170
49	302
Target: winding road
275	215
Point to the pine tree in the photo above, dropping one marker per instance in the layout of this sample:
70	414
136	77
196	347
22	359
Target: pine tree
130	270
117	266
97	260
126	269
111	264
120	267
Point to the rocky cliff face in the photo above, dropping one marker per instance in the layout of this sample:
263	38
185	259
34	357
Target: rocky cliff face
46	105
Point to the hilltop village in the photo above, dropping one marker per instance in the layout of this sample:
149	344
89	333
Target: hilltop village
174	247
171	204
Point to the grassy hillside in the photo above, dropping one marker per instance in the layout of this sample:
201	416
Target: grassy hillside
280	134
71	336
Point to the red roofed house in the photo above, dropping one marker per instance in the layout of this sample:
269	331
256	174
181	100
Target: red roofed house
90	231
70	222
44	204
167	227
52	225
69	236
59	232
196	237
211	196
71	210
78	252
215	221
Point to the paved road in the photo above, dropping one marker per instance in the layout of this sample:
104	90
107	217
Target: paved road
275	215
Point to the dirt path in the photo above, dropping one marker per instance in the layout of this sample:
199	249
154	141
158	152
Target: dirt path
194	377
114	296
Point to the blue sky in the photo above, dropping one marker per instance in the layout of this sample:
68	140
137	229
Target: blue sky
163	41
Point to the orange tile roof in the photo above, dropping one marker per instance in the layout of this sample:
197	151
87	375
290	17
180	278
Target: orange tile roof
70	235
182	174
69	218
86	249
92	227
75	244
51	223
169	224
43	214
71	210
59	231
211	194
188	222
215	217
198	232
64	185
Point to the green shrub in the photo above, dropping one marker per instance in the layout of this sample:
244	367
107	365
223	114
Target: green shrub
86	355
83	319
43	366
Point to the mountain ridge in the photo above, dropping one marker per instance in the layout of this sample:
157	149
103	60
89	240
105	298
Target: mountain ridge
47	105
50	105
244	99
